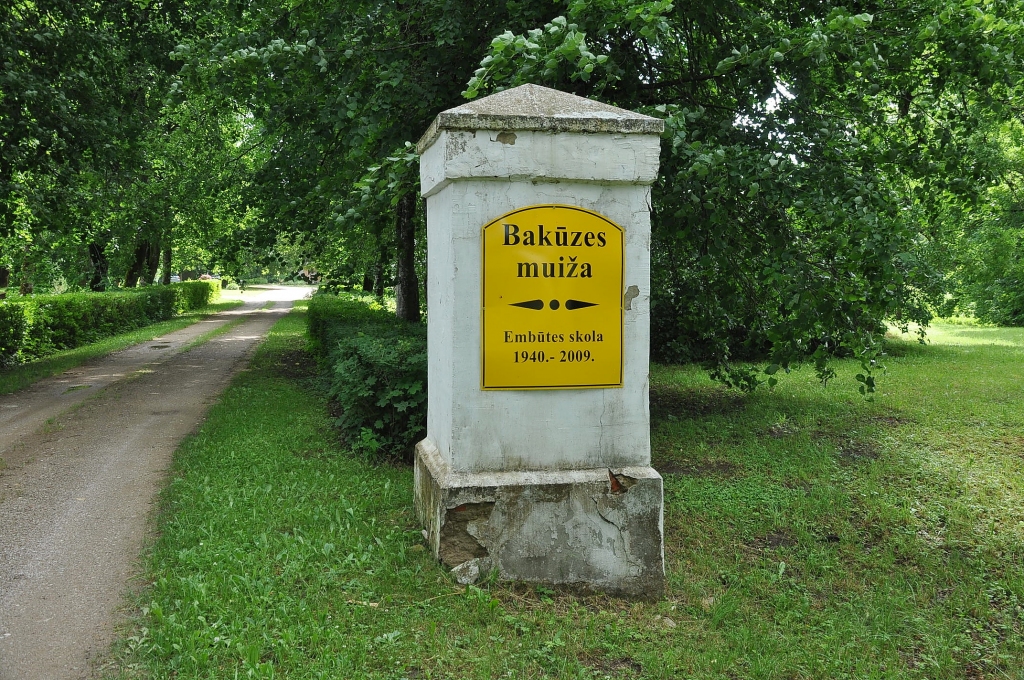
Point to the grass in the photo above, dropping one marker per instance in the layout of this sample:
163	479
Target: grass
18	377
809	534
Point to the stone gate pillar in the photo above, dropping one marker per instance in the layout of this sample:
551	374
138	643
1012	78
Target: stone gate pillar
537	456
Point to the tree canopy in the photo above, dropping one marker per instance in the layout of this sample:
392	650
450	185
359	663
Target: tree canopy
827	168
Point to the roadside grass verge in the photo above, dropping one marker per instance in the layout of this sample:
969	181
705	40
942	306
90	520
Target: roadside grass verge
20	376
809	534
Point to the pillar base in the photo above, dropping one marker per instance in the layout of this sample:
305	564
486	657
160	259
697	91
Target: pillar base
598	528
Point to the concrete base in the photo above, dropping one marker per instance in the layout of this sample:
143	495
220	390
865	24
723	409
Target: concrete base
598	528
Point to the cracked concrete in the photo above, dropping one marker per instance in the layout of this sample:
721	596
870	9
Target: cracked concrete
566	527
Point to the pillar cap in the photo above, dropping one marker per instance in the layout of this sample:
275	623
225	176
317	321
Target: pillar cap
533	107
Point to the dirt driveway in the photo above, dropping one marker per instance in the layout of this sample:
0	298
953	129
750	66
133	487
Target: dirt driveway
83	456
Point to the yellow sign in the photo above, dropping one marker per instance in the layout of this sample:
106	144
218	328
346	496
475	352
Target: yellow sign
552	300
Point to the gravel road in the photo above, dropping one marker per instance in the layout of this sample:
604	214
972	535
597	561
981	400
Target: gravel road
82	458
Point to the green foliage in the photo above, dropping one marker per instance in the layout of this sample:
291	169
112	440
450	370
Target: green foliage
71	79
805	159
332	93
559	51
20	376
58	322
99	173
189	295
12	331
376	367
44	324
369	211
982	246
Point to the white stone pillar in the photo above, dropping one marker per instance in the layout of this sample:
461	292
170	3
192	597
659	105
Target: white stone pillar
545	485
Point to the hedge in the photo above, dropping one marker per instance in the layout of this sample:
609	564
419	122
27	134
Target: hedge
376	370
12	331
37	325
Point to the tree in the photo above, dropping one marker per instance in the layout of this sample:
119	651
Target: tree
981	247
808	151
81	90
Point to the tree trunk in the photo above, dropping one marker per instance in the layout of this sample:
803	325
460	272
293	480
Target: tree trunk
407	288
152	262
368	282
131	279
98	258
166	264
378	278
380	267
5	277
27	270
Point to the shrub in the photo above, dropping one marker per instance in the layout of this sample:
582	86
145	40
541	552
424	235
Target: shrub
193	295
38	325
12	331
376	368
58	322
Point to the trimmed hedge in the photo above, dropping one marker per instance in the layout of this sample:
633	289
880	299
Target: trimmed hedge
38	325
376	369
192	295
12	331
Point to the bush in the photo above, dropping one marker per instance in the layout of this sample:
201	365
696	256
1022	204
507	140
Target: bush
38	325
376	368
193	295
12	331
58	322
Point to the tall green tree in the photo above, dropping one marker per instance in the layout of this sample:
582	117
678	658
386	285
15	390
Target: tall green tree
809	150
980	247
82	87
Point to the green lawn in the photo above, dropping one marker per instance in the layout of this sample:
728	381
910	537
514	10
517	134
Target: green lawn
23	375
809	534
